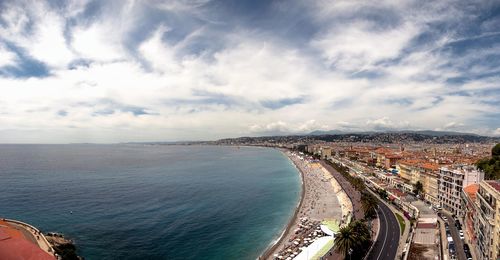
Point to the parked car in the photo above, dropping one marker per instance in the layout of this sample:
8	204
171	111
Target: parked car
451	248
461	234
466	248
445	218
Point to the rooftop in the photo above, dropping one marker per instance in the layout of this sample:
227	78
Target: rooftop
471	190
495	184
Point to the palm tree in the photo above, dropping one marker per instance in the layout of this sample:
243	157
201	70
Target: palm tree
354	237
345	239
369	204
361	230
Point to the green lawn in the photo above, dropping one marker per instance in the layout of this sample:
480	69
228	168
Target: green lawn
401	223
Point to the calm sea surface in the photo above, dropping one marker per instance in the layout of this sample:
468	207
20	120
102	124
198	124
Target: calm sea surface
151	202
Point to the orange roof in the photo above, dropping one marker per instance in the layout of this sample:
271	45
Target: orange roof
393	156
410	162
430	166
383	150
471	190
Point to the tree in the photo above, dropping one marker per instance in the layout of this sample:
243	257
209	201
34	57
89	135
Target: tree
419	188
345	239
369	204
491	166
495	152
355	236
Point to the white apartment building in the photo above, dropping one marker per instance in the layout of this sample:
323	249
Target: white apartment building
451	183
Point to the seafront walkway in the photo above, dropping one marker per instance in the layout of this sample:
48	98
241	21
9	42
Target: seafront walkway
23	240
32	234
324	207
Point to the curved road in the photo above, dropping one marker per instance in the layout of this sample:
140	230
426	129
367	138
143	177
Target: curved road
387	242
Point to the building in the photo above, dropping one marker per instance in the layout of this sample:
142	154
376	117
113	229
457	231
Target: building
451	184
326	152
488	220
413	171
468	213
429	177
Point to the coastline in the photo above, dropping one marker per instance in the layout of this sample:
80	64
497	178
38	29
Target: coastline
267	253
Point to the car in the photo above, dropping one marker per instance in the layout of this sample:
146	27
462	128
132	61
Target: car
445	218
461	234
451	248
466	248
447	228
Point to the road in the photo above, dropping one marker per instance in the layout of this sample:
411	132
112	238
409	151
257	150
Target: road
386	246
387	243
459	245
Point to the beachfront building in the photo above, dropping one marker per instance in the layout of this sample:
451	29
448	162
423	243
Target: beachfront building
429	177
488	220
326	152
413	171
407	169
452	182
469	211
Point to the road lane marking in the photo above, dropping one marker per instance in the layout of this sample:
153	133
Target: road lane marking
386	232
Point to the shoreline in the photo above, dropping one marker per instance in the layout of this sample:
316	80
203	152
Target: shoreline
270	249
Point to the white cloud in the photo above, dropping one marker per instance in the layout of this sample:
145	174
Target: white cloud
7	58
45	39
97	42
358	46
385	123
219	93
160	56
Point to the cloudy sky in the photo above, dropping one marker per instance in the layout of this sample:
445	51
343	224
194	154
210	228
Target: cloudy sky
113	71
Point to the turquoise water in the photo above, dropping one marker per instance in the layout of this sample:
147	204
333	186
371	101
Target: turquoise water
151	202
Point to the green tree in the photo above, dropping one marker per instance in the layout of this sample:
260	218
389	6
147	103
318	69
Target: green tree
355	236
495	152
345	239
369	204
491	166
419	188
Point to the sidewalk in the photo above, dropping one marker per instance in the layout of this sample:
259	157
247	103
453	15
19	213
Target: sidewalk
443	240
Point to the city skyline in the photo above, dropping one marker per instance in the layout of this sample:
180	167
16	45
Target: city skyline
115	71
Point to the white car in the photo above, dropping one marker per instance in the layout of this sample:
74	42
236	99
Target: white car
445	218
461	234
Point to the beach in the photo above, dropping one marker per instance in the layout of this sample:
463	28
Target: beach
322	200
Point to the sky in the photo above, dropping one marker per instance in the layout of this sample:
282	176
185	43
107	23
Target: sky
120	71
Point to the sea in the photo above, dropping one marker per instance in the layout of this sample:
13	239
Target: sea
135	201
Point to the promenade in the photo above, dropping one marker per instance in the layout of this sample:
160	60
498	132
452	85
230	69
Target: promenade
19	240
322	201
